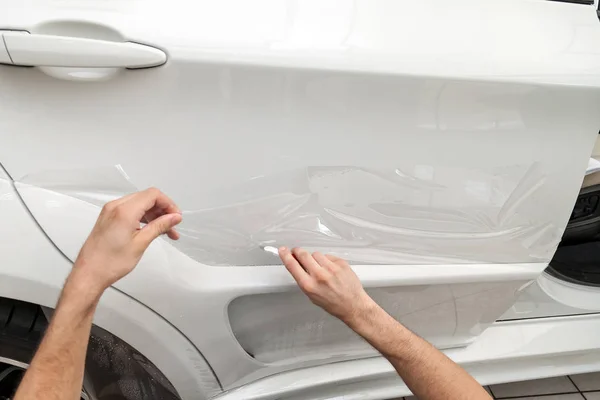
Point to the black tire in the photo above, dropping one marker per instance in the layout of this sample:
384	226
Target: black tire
114	370
21	328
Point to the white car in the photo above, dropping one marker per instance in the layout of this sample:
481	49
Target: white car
438	145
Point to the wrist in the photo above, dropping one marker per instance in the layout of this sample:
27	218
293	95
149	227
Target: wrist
83	284
381	330
362	313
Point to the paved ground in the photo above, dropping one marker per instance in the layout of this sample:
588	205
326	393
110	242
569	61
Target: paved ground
573	387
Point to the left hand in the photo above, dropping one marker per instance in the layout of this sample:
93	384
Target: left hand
117	241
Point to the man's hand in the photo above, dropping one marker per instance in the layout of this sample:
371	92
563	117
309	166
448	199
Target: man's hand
329	282
117	241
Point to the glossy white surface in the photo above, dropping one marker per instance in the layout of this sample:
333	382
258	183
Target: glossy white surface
507	351
424	134
34	271
534	302
61	51
570	294
463	39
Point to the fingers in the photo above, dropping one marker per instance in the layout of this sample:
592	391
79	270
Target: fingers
157	227
292	265
307	261
333	258
324	261
140	203
145	206
154	213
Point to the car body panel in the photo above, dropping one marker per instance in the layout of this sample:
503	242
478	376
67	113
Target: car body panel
534	302
436	149
506	352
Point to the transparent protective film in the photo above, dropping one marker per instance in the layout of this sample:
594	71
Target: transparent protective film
92	185
412	215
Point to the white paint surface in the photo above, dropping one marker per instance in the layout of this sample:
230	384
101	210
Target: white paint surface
508	351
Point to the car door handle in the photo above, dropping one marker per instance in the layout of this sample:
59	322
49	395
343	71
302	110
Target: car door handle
65	51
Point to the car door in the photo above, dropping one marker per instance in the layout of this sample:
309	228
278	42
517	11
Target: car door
439	146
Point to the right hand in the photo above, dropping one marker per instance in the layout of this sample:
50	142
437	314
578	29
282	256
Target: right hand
329	282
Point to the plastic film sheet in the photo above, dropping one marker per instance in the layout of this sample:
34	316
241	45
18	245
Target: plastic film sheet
396	215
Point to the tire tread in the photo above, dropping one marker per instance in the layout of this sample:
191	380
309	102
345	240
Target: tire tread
21	319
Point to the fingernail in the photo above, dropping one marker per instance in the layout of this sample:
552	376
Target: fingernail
282	249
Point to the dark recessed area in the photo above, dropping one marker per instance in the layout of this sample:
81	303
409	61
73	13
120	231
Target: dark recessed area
577	259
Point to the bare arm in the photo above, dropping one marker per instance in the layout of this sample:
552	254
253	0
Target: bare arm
112	250
427	371
331	284
56	372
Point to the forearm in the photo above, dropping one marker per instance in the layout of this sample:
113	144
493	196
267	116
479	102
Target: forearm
428	373
56	371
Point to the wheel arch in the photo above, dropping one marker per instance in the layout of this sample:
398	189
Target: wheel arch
33	270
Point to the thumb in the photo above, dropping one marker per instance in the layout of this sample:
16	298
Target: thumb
157	227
